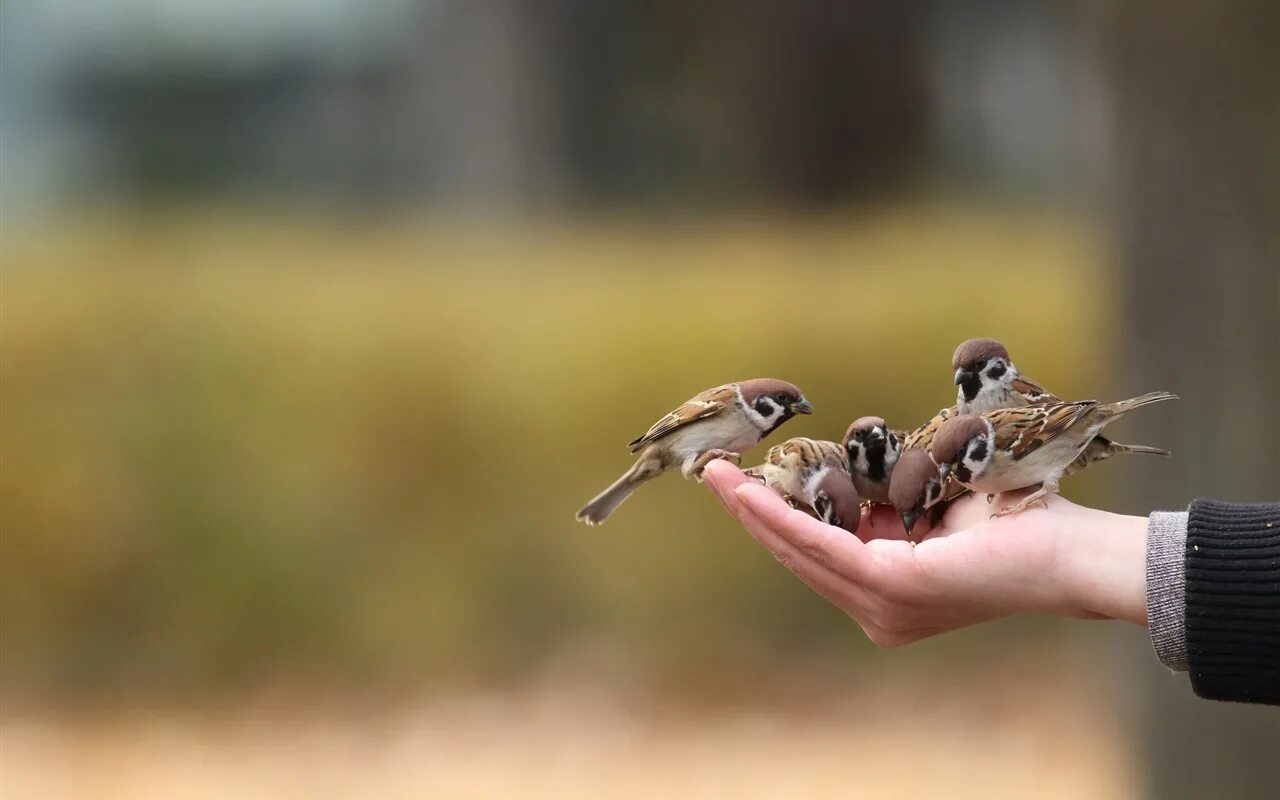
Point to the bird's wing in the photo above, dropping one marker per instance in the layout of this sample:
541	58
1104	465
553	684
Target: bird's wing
700	406
1034	393
1021	431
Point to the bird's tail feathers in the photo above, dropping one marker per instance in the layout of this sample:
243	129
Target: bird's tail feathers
604	504
1139	448
1133	403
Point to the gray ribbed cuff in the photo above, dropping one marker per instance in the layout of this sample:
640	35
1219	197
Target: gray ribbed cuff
1167	587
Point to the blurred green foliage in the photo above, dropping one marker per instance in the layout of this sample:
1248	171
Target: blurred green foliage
240	451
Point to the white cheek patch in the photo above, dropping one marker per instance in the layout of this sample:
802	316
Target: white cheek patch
980	446
759	420
811	485
892	450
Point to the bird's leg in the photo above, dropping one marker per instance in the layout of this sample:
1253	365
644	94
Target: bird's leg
1038	496
701	462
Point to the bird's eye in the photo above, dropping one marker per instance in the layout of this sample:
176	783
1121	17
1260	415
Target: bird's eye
782	398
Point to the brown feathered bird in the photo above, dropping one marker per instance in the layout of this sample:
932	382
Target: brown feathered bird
718	423
987	379
813	475
1014	448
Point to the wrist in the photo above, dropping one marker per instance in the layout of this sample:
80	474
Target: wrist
1104	566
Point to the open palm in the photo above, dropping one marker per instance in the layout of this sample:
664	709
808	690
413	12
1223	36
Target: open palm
1062	558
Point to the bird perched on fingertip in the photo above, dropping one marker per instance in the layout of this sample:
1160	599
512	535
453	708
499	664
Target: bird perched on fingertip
720	422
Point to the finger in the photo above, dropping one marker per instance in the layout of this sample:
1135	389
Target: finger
835	588
722	478
830	546
856	601
722	481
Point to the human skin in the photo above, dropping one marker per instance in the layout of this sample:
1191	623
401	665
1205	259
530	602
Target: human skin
1062	559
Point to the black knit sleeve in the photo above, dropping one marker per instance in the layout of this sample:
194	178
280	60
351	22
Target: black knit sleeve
1233	601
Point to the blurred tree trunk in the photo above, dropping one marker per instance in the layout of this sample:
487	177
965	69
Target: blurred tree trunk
1196	204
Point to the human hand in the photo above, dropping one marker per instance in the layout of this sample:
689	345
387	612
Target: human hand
1061	559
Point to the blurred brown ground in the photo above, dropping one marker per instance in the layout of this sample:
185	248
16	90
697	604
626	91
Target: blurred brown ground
892	733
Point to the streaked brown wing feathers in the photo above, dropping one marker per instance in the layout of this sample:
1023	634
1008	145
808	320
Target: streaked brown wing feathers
1034	392
700	406
1022	431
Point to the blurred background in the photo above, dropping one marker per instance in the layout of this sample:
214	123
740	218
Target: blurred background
320	318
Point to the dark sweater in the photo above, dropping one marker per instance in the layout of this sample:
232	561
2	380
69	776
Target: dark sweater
1233	600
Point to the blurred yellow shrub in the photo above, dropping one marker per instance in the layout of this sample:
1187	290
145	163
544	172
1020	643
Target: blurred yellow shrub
237	451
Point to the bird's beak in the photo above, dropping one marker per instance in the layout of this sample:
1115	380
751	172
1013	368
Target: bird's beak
802	406
875	433
909	520
944	471
962	375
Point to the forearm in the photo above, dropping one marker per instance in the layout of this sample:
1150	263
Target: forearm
1105	574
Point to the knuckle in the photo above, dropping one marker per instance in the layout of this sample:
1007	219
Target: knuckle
809	545
786	559
880	637
894	592
891	618
815	552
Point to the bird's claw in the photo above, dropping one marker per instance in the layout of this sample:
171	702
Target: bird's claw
1023	506
711	455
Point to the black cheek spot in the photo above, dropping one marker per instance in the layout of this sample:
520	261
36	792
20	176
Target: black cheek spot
822	504
979	451
763	407
996	372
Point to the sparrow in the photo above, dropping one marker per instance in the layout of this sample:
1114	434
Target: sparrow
1013	448
919	485
987	380
812	474
718	423
873	450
